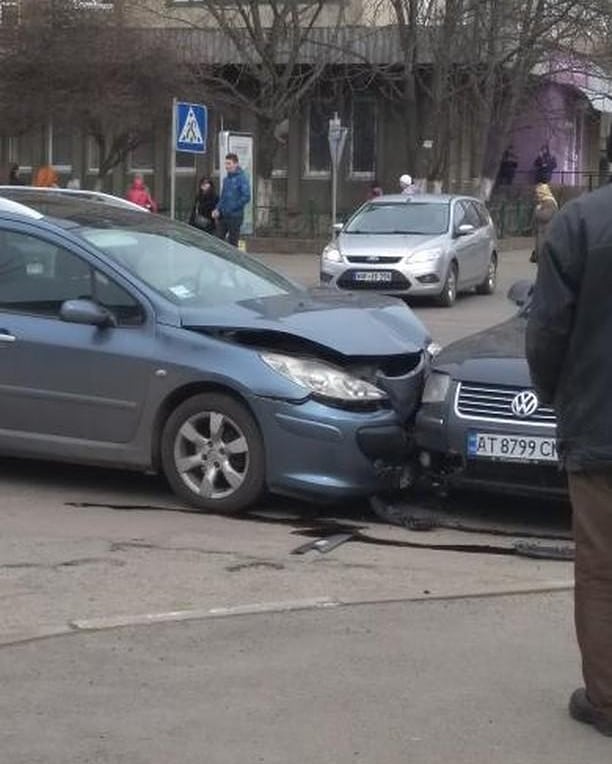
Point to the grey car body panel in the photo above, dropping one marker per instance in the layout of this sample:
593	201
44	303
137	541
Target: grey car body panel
472	252
79	393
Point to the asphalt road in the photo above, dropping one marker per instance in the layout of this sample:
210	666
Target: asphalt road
471	312
134	630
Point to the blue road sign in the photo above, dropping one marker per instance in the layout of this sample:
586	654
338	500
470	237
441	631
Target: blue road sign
191	127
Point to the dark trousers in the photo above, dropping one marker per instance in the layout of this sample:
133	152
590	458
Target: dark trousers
229	228
591	494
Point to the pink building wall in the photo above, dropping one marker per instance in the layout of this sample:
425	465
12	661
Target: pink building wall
557	116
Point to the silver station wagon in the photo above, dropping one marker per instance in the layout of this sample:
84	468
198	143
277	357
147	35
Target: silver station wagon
419	245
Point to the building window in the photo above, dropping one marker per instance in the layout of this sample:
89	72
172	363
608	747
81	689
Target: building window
141	158
9	13
363	138
60	147
93	156
229	119
318	160
185	163
21	151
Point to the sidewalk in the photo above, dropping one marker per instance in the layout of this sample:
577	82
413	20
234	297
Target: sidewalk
477	681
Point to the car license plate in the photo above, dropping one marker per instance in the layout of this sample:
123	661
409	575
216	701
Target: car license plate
376	276
511	448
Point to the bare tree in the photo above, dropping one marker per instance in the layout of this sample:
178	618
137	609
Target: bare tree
479	58
275	54
86	68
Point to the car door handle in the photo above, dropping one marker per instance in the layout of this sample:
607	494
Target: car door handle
6	336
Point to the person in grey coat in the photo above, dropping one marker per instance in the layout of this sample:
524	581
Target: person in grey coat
569	333
545	210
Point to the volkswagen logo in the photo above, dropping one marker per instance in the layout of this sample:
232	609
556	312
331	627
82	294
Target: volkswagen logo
525	404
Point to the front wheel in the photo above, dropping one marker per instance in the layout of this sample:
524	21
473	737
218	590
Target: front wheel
448	295
212	454
490	280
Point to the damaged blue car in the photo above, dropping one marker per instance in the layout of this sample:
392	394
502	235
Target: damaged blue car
132	341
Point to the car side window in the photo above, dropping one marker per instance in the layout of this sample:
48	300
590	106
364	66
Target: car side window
122	305
459	215
471	215
37	276
483	214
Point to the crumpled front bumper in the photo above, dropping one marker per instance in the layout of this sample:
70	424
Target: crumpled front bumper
325	452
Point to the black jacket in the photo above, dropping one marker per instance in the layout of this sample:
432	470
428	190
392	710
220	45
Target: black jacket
204	205
569	331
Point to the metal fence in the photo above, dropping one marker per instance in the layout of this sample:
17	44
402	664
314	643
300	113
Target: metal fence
511	208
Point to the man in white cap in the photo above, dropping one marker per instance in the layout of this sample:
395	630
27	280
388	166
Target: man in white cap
406	185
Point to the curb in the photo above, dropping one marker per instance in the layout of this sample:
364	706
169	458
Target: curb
109	623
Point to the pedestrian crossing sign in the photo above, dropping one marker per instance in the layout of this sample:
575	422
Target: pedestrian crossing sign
191	127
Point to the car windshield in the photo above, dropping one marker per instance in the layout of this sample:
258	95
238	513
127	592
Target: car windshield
184	265
426	218
179	262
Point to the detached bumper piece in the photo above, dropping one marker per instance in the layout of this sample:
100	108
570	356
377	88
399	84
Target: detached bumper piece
389	444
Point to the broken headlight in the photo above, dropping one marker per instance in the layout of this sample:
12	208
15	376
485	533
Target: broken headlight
322	379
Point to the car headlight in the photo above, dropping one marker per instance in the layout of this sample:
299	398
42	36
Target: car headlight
323	379
436	387
332	254
425	256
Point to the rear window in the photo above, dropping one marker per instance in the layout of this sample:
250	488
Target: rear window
427	218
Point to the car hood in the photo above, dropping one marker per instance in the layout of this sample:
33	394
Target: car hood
495	356
354	244
351	325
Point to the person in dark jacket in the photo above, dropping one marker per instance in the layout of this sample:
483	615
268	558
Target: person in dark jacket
544	165
569	340
13	177
205	203
235	195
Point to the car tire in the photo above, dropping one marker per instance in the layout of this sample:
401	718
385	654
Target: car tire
448	295
490	281
213	455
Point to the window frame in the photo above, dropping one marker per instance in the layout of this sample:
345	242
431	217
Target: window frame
308	173
64	169
363	174
57	242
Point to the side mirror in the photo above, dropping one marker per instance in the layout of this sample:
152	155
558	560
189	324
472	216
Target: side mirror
337	227
86	312
465	229
520	292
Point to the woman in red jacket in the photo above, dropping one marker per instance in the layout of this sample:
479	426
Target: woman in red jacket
139	194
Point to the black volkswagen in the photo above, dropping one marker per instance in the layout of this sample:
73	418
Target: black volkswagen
481	423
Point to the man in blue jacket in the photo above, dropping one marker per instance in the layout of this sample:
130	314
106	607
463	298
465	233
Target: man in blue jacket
235	195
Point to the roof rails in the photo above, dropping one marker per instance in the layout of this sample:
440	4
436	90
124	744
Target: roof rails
96	196
8	205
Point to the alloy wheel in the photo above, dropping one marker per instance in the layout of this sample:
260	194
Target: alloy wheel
211	455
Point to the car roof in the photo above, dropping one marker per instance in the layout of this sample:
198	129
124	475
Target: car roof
37	199
418	198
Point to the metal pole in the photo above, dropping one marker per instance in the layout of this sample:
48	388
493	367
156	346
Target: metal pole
173	162
334	192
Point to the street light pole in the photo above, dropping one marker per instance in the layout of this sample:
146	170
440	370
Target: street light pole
337	139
